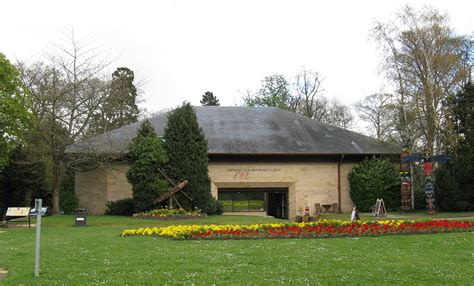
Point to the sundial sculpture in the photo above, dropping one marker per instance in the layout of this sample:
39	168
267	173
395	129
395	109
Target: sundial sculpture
427	160
170	195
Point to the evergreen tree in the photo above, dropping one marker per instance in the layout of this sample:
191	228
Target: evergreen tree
209	99
147	155
454	184
187	150
119	107
374	179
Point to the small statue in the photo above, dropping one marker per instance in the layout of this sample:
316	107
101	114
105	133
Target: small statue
355	214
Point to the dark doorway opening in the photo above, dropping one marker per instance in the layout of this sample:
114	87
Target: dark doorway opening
273	201
278	204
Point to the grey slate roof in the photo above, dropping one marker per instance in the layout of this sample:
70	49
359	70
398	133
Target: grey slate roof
251	130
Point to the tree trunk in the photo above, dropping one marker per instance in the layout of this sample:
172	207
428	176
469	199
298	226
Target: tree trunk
57	178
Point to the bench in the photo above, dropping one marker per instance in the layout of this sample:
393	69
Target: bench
17	214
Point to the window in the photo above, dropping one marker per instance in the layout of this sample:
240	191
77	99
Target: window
242	201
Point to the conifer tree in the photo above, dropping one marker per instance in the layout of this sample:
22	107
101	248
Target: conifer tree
148	156
187	150
209	99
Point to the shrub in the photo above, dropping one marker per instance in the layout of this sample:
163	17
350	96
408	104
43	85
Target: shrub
121	207
68	201
373	179
148	156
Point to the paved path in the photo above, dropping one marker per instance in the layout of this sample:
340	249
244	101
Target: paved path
440	218
464	217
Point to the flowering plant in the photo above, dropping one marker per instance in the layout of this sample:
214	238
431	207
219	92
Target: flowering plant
169	213
321	228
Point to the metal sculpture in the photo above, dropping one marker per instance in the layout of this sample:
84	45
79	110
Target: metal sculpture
427	160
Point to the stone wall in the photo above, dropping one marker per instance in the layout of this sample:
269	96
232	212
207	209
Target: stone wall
95	188
307	183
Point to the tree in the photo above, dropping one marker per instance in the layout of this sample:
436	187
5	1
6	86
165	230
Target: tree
65	92
373	179
302	97
187	148
424	58
22	180
338	114
274	92
120	104
454	183
378	110
148	156
308	100
209	99
14	116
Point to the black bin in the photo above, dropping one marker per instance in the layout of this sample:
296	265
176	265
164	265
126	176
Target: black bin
81	217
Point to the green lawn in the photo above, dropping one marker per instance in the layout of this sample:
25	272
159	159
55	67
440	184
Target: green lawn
97	255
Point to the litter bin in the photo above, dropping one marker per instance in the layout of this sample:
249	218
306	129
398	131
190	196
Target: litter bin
81	217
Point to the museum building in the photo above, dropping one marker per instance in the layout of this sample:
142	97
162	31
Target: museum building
262	161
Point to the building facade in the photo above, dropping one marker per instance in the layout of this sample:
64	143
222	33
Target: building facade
262	161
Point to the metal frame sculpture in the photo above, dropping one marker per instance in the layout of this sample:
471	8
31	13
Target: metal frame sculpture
170	195
427	160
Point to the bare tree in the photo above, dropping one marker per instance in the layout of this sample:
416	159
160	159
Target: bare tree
308	99
304	96
66	91
339	115
378	110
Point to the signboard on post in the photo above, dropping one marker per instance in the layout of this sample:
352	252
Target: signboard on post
18	211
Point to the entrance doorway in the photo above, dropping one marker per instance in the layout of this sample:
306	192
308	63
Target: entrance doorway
273	201
277	203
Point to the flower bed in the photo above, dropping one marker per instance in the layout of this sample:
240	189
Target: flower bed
170	214
321	228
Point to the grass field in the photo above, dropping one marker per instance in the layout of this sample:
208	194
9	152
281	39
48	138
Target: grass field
97	255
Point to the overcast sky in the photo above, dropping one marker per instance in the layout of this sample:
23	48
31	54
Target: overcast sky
184	48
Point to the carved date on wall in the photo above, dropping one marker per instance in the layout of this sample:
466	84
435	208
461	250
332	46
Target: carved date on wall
242	174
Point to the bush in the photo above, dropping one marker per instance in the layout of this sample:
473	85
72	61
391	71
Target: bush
121	207
148	156
68	201
374	179
454	184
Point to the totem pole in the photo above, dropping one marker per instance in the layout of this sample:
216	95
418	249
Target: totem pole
406	185
427	160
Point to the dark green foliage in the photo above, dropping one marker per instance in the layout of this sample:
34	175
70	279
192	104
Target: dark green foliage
121	207
148	156
374	179
419	181
23	180
187	151
454	182
209	99
120	107
68	201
